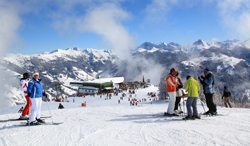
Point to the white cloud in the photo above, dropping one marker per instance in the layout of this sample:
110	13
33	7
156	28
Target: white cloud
9	25
215	40
235	16
157	10
106	20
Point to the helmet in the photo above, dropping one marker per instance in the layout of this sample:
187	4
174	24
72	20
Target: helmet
173	71
26	75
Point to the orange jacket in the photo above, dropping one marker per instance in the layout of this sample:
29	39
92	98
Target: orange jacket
171	83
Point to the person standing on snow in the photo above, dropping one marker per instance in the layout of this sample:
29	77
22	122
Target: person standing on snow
208	86
171	89
178	94
192	86
35	92
226	94
24	85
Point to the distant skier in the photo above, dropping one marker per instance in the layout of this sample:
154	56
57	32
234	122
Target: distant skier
60	106
192	86
24	85
226	94
171	89
208	86
178	94
35	92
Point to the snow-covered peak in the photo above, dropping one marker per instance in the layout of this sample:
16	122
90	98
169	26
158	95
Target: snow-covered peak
246	43
199	42
232	41
75	49
147	46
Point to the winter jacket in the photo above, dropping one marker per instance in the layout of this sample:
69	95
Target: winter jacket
35	88
178	89
226	93
24	86
192	86
171	83
208	83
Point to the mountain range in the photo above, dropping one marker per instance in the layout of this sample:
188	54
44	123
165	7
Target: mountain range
229	61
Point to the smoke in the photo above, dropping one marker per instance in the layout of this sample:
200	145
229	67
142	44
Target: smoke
9	25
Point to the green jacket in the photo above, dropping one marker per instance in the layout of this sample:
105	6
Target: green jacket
192	86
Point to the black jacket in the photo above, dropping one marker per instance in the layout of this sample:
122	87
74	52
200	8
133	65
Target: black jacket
226	93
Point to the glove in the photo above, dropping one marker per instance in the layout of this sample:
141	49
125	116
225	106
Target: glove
29	94
203	77
44	94
180	86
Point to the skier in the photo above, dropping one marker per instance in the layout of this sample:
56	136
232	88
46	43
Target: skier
178	94
35	92
226	94
24	85
192	86
60	106
171	89
208	86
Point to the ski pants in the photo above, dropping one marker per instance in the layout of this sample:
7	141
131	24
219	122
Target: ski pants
26	110
35	108
227	101
177	101
192	101
210	103
172	96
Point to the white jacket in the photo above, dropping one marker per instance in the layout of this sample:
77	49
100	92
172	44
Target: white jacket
24	86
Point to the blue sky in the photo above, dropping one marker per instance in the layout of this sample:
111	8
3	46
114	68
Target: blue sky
44	26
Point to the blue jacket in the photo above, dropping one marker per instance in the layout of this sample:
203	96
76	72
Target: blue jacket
35	87
209	83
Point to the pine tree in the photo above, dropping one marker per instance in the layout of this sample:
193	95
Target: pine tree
163	86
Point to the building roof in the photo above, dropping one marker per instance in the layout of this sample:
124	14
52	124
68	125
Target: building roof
115	80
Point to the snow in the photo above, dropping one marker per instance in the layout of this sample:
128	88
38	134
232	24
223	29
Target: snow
227	61
105	122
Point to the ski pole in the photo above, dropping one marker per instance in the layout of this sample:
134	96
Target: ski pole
202	105
29	113
49	111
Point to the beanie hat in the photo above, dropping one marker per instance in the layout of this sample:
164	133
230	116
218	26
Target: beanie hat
188	77
206	70
35	74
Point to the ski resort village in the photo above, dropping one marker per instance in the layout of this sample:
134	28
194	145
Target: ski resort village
125	73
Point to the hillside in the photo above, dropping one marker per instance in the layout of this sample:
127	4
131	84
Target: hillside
105	122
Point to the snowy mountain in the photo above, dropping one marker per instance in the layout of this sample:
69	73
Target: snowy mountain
228	60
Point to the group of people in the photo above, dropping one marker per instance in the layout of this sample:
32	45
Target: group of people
174	89
33	92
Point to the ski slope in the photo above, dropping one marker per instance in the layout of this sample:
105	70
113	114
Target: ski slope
107	123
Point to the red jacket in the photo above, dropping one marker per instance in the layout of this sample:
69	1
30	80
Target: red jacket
171	83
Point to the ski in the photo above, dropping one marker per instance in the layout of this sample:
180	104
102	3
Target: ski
22	119
210	115
50	123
